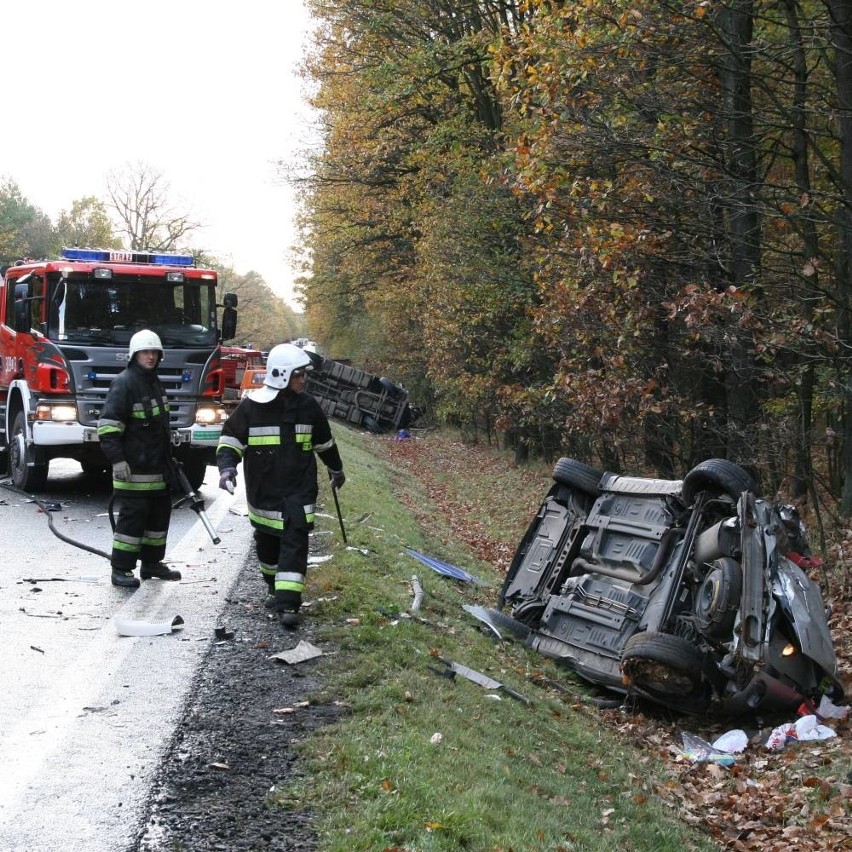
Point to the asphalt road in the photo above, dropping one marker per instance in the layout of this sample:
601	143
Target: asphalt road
85	713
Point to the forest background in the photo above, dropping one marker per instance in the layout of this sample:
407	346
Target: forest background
618	231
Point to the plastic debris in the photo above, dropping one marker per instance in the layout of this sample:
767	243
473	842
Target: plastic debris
732	742
700	751
303	651
444	568
806	728
129	627
828	710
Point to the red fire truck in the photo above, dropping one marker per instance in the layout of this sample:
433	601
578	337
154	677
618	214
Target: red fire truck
236	361
65	326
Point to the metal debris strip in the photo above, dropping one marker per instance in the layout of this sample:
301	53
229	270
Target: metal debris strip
129	627
303	651
482	679
495	619
444	568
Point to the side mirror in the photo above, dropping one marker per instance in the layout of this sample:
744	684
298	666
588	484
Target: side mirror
229	323
230	300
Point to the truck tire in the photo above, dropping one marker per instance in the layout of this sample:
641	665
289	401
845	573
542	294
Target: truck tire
719	476
195	468
22	474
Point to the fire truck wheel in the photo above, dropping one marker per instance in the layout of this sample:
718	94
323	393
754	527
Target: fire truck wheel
195	468
22	474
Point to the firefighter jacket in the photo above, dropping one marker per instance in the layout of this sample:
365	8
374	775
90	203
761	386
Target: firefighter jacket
276	442
134	427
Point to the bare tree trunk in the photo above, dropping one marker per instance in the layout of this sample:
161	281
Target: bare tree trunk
744	226
841	28
801	165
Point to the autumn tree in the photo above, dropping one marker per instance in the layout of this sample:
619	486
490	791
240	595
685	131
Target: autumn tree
264	319
25	231
412	125
147	217
87	223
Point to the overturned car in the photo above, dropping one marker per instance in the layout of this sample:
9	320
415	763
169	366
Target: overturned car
689	593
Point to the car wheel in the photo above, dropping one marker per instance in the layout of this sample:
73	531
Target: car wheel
719	476
577	475
666	669
24	476
718	600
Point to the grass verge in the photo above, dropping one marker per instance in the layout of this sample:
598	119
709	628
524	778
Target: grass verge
421	761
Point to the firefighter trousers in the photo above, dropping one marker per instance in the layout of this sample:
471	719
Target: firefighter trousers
141	530
284	558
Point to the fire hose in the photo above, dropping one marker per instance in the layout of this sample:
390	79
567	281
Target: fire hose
191	497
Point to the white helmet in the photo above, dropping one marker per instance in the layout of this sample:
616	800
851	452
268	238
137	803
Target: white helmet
145	339
282	360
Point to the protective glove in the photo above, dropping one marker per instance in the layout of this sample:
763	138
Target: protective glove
337	478
121	471
228	479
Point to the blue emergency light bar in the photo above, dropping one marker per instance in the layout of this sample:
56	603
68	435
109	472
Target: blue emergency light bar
121	256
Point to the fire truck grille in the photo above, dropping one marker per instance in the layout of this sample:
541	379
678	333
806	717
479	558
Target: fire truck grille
92	381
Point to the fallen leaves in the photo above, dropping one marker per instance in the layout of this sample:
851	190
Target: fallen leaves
766	801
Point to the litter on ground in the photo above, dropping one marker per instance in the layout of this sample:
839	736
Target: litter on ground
444	568
303	651
129	627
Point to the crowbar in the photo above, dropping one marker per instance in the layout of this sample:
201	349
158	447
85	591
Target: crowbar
339	516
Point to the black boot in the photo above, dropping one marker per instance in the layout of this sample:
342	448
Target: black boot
288	619
125	579
160	571
287	604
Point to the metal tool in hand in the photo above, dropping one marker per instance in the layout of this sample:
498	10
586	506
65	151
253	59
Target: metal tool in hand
195	500
339	516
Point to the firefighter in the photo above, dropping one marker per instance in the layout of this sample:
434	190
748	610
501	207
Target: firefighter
135	437
275	431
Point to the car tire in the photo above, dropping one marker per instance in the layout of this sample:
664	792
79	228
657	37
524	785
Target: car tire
719	476
667	669
579	476
718	600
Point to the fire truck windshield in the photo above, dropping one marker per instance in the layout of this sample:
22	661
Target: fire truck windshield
85	310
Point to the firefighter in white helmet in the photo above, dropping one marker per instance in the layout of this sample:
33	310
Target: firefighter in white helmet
276	431
135	437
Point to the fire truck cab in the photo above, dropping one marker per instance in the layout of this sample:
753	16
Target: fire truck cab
65	326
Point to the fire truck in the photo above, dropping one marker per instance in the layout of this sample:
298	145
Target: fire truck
65	326
236	361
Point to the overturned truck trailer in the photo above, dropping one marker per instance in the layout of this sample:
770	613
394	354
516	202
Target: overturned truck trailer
357	397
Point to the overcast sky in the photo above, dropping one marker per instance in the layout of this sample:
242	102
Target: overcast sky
206	93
